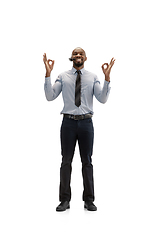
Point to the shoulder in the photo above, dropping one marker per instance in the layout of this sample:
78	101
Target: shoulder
63	75
69	72
90	75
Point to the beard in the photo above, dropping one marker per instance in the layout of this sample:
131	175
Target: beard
79	64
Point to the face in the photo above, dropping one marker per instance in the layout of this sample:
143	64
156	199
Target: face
79	57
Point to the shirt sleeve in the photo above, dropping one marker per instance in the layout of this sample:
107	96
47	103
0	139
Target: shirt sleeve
100	93
52	92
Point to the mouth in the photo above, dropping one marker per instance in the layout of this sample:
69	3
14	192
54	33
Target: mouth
78	59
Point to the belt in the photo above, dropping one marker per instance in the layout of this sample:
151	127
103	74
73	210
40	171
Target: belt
78	117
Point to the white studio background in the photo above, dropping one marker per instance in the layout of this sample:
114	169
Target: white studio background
126	149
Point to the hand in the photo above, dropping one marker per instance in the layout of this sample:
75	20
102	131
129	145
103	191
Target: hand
107	69
48	65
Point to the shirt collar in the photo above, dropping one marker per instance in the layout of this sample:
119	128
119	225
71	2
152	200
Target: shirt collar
75	70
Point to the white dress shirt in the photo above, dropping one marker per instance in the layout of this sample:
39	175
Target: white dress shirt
65	83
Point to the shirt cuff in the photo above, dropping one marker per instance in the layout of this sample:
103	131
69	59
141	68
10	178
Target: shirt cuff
106	82
47	79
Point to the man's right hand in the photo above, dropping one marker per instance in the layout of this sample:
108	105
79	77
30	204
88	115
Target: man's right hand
48	64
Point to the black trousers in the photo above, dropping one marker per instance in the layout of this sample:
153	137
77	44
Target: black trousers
71	132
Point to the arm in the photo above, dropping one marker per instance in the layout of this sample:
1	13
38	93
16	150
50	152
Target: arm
102	94
51	92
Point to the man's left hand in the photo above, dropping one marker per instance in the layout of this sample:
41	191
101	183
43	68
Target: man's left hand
107	69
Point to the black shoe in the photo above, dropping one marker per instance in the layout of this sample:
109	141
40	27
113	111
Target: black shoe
63	206
90	206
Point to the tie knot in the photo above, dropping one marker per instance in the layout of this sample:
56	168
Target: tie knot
78	71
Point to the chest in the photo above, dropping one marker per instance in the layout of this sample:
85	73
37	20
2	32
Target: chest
69	83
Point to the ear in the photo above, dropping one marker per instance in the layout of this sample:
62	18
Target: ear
86	59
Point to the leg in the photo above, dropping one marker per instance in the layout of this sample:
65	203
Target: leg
85	141
68	143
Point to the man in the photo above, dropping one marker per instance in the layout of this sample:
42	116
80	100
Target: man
78	87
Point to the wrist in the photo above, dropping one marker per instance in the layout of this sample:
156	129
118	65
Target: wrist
107	78
48	74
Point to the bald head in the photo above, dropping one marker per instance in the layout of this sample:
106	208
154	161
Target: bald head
79	49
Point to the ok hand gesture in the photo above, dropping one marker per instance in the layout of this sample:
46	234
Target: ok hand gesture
107	69
48	64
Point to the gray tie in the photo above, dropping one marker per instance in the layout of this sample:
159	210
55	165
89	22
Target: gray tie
78	89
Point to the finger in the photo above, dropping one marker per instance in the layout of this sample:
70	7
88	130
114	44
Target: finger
112	62
44	57
50	61
52	64
103	66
